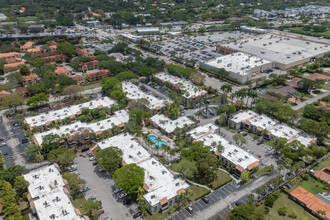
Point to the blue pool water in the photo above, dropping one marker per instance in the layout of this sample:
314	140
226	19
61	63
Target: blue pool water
263	90
328	198
156	143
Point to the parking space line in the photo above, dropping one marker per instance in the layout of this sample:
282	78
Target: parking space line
200	209
203	204
99	188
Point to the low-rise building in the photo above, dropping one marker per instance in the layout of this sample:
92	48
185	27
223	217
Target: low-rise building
62	70
310	202
97	75
191	92
10	55
242	67
323	174
83	53
168	126
71	111
29	79
59	57
13	65
79	79
120	118
268	128
37	50
161	186
318	76
49	197
104	47
230	155
131	37
133	92
148	30
90	65
27	45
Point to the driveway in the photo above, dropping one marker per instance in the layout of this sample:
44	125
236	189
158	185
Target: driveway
101	189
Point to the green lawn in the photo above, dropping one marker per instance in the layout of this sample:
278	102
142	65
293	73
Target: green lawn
222	177
26	217
310	185
197	192
91	86
263	170
299	29
28	18
323	163
290	205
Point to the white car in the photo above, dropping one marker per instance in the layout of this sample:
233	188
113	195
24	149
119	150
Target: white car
91	158
77	172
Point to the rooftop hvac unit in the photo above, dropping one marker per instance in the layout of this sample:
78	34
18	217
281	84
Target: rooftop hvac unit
242	68
229	64
270	43
264	45
247	60
219	61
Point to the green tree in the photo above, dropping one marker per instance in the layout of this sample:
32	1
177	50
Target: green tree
2	161
245	175
226	88
62	155
72	90
110	158
293	214
50	142
24	70
129	178
21	185
11	173
306	85
37	100
173	111
12	101
66	48
147	71
91	206
127	75
282	211
206	168
239	139
269	201
31	150
74	181
187	168
37	62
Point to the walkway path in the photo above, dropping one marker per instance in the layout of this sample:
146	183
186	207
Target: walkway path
310	101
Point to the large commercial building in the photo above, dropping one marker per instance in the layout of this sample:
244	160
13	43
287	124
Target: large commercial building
168	126
44	119
160	184
48	195
284	50
241	66
133	92
148	30
231	154
269	128
191	91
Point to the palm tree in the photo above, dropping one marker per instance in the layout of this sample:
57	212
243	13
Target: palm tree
280	168
226	88
321	212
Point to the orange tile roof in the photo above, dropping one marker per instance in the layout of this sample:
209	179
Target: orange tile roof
29	77
253	165
86	217
311	201
316	76
54	47
95	14
12	65
98	132
98	73
82	52
66	190
247	122
123	163
323	174
182	190
4	92
61	70
13	60
11	54
90	63
293	82
51	43
240	168
27	45
34	50
163	201
77	78
145	186
77	211
260	128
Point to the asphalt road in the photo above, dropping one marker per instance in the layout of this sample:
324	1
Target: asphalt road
310	101
101	189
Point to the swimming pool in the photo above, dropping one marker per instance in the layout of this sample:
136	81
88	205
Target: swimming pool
157	143
263	90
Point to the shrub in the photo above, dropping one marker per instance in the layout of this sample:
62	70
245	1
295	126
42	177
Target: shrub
293	214
282	211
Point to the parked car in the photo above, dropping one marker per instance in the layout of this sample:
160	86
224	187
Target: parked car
2	139
127	202
84	149
117	191
260	142
136	215
16	124
25	140
259	156
3	144
206	200
91	158
86	189
77	172
92	198
123	195
94	163
189	209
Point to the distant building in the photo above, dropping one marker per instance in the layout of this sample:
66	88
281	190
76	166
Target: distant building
61	70
104	47
168	126
150	30
27	45
318	76
98	75
29	79
93	23
79	79
90	65
9	55
36	28
55	58
131	37
2	17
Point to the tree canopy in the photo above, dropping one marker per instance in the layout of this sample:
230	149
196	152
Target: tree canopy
110	158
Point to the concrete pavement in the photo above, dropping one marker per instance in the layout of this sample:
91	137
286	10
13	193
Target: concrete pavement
310	101
232	198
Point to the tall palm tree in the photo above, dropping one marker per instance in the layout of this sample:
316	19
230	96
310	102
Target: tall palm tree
226	88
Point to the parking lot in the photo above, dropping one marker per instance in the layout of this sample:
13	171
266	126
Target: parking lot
200	205
101	184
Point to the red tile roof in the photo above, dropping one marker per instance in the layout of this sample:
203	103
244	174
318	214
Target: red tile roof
27	45
316	76
61	70
7	55
310	201
98	73
12	65
30	77
323	174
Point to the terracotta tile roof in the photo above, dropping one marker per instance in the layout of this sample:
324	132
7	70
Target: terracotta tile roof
30	77
95	14
11	54
90	63
13	60
98	73
323	174
52	43
163	201
182	190
27	45
82	52
66	190
54	47
77	77
34	50
98	132
55	57
12	65
253	165
247	122
77	211
238	167
4	92
293	82
61	70
316	76
260	128
145	187
86	217
56	165
123	163
311	201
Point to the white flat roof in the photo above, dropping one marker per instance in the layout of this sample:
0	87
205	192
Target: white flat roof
209	134
279	48
131	36
135	93
118	118
170	125
46	189
239	63
276	128
65	112
160	181
192	91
